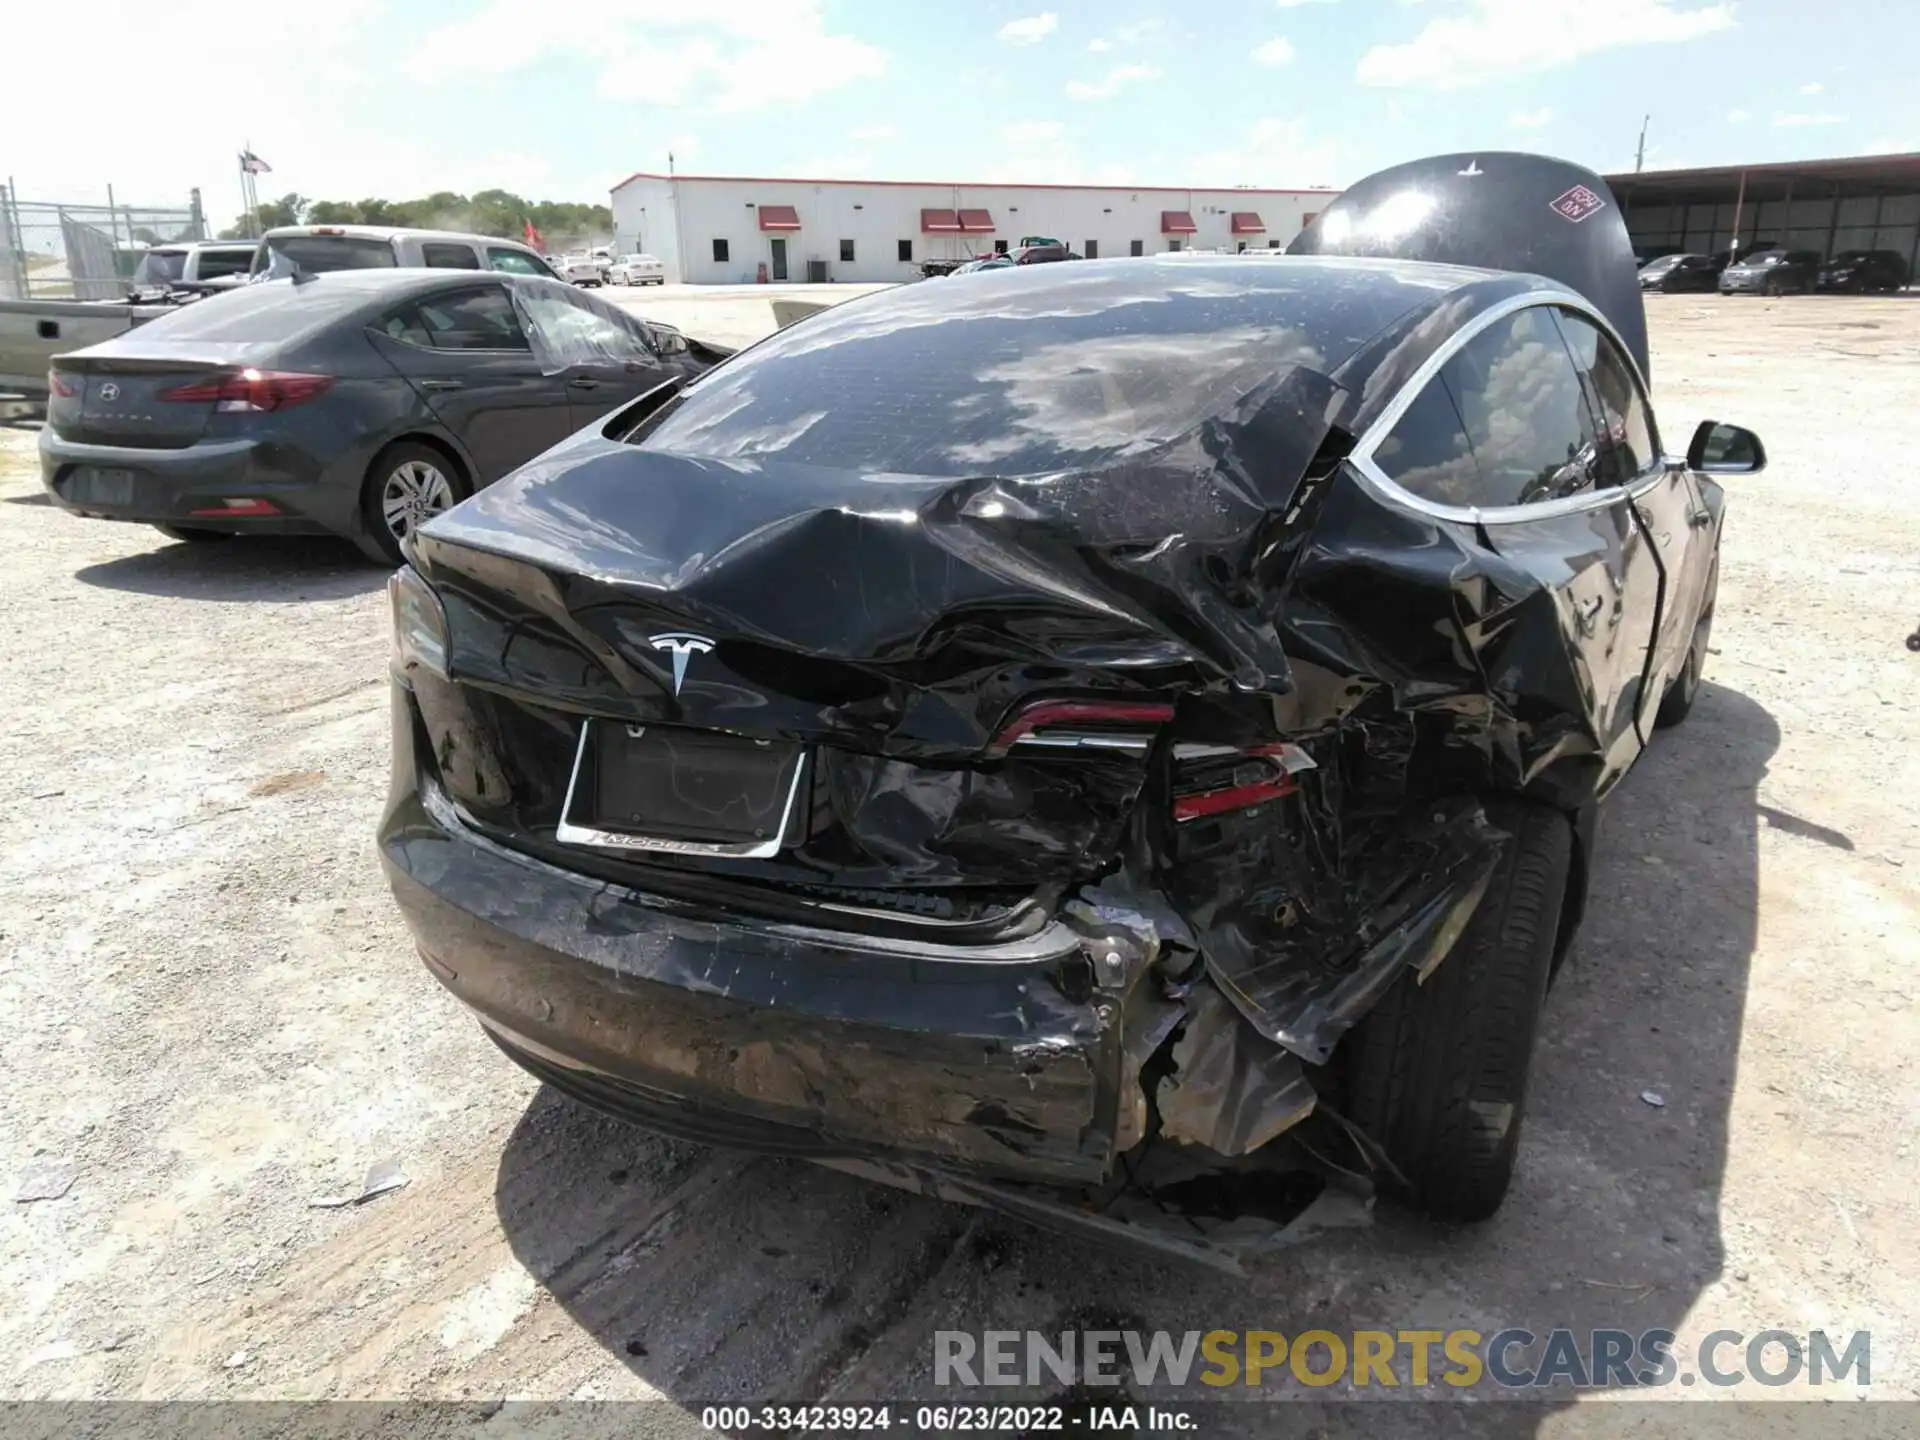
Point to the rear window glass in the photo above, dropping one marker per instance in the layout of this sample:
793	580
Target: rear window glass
317	254
1060	367
264	310
516	262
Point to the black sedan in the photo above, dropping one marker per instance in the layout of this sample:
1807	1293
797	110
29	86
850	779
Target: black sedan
1121	744
1677	273
1771	272
357	403
1862	272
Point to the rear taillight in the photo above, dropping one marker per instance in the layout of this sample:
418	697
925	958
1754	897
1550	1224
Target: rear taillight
1084	725
57	386
250	391
1213	779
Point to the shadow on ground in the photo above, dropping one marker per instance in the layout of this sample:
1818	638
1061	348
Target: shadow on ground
245	569
717	1276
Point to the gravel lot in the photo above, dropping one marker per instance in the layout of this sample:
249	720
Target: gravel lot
210	1010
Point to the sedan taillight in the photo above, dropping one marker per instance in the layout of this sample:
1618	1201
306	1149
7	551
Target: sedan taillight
251	391
58	385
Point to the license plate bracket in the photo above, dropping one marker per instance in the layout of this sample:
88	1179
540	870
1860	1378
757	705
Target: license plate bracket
680	791
100	485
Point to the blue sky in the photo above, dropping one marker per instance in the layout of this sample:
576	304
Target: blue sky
350	98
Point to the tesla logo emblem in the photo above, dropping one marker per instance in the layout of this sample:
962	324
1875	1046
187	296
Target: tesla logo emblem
683	646
109	392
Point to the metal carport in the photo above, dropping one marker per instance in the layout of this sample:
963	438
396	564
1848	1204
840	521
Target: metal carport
1869	202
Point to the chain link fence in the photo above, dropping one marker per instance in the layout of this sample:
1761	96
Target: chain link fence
52	251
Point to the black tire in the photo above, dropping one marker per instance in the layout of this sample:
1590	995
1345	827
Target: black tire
1684	689
381	540
191	535
1437	1073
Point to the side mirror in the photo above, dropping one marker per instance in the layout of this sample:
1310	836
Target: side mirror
1722	449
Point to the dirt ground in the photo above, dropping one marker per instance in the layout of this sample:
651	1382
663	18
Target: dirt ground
210	1011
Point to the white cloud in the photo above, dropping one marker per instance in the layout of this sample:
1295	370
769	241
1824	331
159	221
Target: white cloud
1812	87
745	55
1530	119
1739	117
1132	34
1112	81
1496	38
1272	152
1277	51
873	132
1033	28
1821	118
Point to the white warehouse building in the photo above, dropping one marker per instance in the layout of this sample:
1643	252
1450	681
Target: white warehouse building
724	229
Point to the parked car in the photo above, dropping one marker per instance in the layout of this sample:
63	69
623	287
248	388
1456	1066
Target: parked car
320	249
1771	272
991	262
584	270
1652	253
1093	744
1863	271
637	270
356	403
1680	272
197	266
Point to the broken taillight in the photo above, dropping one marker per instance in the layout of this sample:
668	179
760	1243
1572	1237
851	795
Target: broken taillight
250	391
1212	779
1083	725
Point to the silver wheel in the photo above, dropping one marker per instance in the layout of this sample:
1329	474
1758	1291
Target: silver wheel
415	492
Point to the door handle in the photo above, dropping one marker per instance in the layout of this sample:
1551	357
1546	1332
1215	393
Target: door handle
583	382
441	385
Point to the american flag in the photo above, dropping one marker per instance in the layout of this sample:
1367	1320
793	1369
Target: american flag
252	164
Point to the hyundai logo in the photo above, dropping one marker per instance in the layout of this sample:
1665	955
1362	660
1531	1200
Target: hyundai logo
109	392
683	646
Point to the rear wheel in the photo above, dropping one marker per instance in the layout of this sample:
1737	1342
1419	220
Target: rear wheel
407	485
1437	1072
191	534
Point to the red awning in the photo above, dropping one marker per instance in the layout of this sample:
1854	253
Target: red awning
976	222
939	222
1177	222
1248	222
779	217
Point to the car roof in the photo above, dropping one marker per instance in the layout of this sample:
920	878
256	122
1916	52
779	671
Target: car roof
390	232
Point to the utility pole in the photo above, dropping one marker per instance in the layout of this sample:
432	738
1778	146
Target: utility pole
1640	155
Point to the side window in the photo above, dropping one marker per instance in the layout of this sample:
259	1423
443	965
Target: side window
846	252
573	333
720	251
1624	443
442	255
1517	403
906	250
515	262
459	320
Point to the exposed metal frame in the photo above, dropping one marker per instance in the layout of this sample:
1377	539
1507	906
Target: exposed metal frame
1361	457
568	833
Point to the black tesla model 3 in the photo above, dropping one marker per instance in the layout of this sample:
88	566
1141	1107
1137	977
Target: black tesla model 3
1121	744
358	402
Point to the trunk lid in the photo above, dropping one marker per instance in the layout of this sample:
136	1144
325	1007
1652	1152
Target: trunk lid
122	391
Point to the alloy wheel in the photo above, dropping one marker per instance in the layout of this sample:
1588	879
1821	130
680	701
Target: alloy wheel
414	493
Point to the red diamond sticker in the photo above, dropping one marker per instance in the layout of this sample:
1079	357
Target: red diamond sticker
1577	204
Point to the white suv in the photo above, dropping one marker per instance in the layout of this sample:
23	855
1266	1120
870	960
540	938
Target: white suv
637	270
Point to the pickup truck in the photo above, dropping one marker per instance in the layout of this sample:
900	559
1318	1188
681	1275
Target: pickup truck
319	248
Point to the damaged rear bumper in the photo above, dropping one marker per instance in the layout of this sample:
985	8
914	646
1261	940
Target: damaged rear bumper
770	1037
